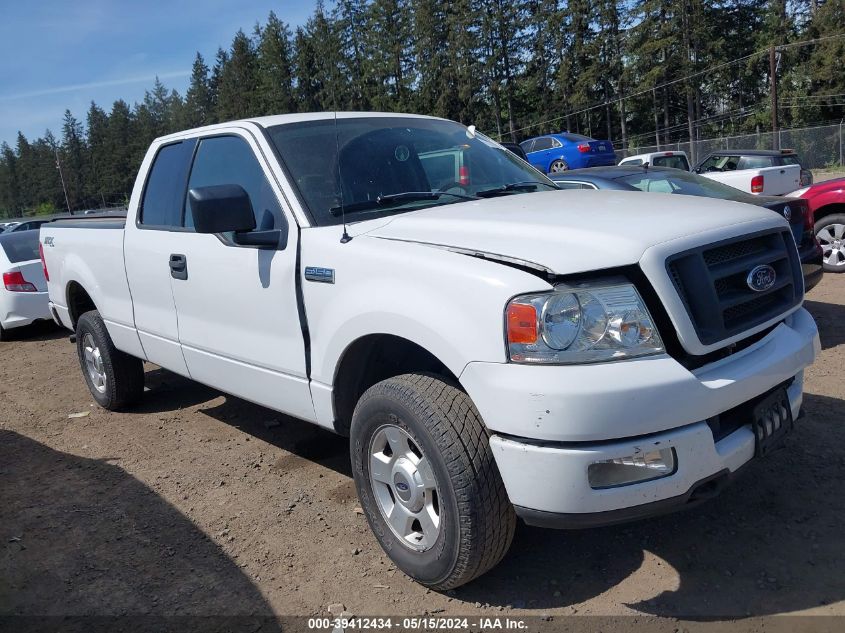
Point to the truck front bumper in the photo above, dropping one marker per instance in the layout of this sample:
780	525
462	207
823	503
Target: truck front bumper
550	424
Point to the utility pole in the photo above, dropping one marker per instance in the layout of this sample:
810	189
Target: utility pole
61	175
773	81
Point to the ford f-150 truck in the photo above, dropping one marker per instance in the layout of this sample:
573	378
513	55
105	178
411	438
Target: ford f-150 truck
491	350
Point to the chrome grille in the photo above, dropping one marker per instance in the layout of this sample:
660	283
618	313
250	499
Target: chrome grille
711	281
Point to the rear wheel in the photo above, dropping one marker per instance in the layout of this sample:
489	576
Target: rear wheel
2	333
427	480
830	231
115	379
558	166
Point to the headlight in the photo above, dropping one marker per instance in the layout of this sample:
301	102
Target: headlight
587	323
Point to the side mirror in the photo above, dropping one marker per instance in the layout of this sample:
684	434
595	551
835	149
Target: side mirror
221	209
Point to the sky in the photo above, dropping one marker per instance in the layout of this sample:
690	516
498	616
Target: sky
58	54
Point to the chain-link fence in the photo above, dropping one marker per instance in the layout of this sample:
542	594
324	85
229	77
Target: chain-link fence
818	147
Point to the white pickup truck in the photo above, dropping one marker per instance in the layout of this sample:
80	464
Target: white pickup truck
765	181
489	347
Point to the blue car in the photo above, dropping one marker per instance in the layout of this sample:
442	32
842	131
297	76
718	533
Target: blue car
555	153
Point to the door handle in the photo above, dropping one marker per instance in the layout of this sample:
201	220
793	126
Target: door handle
179	267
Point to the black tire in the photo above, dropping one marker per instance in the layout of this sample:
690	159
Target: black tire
558	166
477	520
834	256
124	374
2	333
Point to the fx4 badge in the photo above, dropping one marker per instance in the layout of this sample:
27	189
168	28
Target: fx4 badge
48	241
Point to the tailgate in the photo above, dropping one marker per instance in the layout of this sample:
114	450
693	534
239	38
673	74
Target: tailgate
780	180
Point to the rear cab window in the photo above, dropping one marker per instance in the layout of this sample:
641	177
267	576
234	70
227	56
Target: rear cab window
21	246
675	162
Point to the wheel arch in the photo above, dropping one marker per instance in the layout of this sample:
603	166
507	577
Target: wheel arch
829	209
372	358
79	301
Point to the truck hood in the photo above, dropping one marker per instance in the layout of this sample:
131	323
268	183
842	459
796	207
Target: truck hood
568	231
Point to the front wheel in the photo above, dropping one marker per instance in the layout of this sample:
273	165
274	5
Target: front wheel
830	231
427	480
115	379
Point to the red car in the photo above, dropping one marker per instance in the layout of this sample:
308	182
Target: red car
827	202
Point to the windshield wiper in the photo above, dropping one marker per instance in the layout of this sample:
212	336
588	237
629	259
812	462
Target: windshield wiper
525	185
405	196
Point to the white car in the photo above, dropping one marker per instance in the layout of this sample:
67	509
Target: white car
491	350
23	295
675	160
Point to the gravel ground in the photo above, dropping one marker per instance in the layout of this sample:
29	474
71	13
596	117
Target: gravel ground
200	503
820	175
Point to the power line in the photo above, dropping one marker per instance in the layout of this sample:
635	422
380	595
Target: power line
764	51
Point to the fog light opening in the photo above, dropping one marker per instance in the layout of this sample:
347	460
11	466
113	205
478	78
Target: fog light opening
632	469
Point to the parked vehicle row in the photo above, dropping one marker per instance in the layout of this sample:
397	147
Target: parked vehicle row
675	181
477	333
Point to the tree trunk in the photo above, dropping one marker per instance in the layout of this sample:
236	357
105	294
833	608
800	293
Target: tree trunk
656	120
623	125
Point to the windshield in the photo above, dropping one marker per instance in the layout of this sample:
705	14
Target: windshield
686	184
381	157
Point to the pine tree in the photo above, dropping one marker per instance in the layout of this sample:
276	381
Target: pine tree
120	168
73	162
10	193
827	57
437	83
220	62
237	95
275	68
349	21
308	78
199	103
97	154
388	50
542	23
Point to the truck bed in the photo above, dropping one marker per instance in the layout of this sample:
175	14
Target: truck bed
106	221
93	259
776	180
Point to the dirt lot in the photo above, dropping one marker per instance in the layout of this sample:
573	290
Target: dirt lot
820	175
199	503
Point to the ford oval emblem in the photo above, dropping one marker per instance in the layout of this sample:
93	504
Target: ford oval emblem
761	278
402	486
787	213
